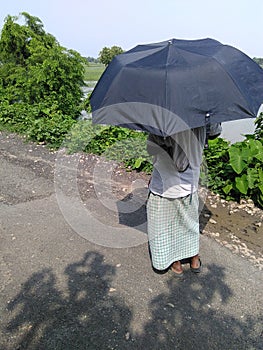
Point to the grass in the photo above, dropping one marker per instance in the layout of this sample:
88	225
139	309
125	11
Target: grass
93	71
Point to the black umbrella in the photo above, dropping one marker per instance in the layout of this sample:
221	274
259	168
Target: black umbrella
171	86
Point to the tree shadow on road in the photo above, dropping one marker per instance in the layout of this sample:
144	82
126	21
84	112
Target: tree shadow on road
89	314
189	316
85	317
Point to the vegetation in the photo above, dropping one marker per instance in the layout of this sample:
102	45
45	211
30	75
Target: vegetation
236	171
259	61
92	59
93	71
115	143
107	54
40	81
259	127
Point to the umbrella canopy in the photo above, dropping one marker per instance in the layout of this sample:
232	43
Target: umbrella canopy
171	86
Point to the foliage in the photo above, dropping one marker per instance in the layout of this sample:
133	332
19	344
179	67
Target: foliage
259	127
51	130
131	150
37	122
107	54
246	160
258	60
40	81
115	143
216	169
236	171
92	59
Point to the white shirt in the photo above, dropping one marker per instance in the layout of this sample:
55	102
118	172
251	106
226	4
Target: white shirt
177	161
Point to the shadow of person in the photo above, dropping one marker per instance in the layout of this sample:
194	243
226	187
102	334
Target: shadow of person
86	315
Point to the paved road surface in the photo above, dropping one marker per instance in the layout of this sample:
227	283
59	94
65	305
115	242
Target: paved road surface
61	291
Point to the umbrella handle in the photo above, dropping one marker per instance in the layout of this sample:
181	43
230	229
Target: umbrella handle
207	127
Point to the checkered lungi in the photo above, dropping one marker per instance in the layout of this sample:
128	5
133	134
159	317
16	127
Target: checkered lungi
173	229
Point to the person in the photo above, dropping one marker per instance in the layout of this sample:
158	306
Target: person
173	204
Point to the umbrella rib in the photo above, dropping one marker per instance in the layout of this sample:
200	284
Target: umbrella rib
166	73
166	84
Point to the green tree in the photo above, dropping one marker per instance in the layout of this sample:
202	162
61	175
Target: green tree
40	81
107	54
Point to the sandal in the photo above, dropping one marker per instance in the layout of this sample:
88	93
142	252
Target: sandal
197	269
177	274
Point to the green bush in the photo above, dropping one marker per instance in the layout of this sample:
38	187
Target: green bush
236	171
40	82
216	169
246	160
115	143
51	130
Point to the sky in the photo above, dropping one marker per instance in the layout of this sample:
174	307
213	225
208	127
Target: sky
89	25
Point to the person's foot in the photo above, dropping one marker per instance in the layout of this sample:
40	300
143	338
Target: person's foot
195	264
195	261
177	268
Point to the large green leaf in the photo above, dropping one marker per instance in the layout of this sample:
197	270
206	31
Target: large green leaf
242	184
237	159
255	144
256	149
